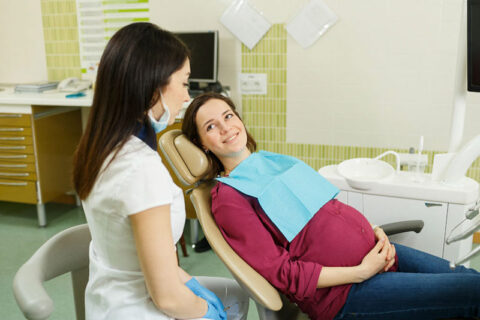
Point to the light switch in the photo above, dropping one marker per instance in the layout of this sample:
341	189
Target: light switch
253	83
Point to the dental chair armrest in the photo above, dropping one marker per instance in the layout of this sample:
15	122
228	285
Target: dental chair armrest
402	226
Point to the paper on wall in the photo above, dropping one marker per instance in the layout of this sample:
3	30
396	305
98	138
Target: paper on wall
311	22
245	22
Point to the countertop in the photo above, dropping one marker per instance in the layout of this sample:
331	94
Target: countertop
47	98
412	186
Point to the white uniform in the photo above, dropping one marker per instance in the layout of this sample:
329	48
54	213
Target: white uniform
136	180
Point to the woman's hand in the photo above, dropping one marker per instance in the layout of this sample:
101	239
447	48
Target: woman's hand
390	259
216	310
374	261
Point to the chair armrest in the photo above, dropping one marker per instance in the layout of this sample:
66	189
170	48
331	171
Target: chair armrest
30	293
402	226
65	252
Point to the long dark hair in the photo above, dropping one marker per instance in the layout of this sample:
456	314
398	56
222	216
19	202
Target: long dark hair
190	129
136	64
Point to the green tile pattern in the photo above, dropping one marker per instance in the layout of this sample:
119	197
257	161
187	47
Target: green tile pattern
265	115
59	19
60	28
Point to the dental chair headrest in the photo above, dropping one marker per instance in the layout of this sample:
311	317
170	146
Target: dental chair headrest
187	160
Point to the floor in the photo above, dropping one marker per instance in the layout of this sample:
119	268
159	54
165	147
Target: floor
20	237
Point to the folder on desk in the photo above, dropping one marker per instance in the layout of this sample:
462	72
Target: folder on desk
36	86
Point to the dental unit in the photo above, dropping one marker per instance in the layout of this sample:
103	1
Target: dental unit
446	200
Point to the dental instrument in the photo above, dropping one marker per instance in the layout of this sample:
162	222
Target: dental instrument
469	215
397	158
420	149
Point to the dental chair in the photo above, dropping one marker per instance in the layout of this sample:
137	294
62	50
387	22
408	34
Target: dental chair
65	252
190	164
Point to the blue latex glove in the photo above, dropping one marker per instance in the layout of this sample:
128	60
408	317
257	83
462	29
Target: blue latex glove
216	310
213	313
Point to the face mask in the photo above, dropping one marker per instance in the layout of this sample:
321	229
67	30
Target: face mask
161	124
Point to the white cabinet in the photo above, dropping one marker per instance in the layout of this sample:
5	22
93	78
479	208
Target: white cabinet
404	197
439	219
380	210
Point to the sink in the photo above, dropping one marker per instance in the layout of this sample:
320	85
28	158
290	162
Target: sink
363	173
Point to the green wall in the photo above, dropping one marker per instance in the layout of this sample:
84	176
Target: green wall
61	38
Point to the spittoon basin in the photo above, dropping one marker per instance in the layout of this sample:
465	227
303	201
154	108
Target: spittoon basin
363	173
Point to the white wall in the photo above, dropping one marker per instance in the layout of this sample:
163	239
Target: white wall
382	76
22	51
188	15
191	15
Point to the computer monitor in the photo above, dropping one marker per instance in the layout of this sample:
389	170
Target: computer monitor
203	46
473	45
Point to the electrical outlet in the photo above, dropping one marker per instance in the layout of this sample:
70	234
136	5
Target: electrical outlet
253	83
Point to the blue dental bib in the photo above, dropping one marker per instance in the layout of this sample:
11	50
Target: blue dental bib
289	191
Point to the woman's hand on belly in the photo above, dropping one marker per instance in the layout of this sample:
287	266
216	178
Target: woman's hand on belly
373	263
376	260
380	234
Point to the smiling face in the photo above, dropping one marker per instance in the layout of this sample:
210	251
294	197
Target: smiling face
222	132
174	94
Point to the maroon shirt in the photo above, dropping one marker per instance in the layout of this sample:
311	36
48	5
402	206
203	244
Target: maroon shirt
337	236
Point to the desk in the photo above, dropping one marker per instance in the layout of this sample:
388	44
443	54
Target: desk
35	162
49	98
38	136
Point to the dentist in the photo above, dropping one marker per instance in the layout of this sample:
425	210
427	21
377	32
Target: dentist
135	212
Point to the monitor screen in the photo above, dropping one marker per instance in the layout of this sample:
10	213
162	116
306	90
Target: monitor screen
203	46
473	45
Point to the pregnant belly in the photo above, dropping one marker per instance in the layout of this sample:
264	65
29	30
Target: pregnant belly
338	235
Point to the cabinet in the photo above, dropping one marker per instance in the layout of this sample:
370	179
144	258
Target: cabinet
404	197
36	151
381	210
439	219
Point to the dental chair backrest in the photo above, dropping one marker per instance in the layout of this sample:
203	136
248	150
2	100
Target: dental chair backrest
190	164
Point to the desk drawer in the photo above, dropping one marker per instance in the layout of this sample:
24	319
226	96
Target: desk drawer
15	148
16	167
15	131
18	191
15	140
16	158
15	119
29	176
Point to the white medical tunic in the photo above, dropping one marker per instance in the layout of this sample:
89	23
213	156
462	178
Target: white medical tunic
134	181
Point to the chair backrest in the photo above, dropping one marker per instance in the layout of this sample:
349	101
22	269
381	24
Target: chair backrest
65	252
190	164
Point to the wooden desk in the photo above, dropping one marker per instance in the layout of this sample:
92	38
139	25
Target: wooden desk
38	136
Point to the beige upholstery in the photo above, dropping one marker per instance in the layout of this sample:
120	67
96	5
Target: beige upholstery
65	252
190	164
188	161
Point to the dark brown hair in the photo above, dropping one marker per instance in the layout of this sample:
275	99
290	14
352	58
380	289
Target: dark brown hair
136	63
190	129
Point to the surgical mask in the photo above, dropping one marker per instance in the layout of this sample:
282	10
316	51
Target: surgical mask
160	125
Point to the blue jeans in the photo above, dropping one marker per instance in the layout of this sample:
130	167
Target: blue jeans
423	288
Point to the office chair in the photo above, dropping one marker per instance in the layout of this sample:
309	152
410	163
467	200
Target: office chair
65	252
190	164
